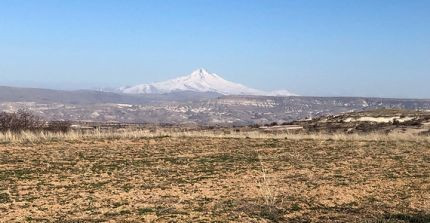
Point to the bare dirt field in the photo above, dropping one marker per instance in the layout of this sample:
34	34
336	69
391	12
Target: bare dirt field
204	179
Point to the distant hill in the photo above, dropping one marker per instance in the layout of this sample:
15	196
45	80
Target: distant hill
379	120
16	94
202	108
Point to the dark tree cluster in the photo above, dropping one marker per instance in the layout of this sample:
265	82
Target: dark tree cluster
23	120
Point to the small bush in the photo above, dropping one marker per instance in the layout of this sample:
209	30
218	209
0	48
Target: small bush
256	126
273	124
58	126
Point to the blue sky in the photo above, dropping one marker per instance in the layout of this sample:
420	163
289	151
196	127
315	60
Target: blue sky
325	47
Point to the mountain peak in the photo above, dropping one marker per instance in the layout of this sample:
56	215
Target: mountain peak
199	80
202	73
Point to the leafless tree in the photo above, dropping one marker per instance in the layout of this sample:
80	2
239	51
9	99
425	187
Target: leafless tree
20	121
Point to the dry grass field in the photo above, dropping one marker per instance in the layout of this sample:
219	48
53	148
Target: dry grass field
183	178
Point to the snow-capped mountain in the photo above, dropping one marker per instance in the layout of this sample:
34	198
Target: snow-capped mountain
199	81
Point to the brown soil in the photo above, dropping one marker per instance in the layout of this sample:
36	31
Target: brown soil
215	180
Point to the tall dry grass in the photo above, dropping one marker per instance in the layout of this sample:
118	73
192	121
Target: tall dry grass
33	137
265	186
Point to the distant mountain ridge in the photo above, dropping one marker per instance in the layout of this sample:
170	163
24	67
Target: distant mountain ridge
184	107
48	96
200	80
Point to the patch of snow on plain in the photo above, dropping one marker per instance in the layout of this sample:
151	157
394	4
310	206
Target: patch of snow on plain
379	119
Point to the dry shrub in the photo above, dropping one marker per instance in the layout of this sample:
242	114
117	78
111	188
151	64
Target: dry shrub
58	126
266	189
21	120
24	122
269	207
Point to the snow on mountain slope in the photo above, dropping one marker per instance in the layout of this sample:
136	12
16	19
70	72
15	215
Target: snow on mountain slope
199	81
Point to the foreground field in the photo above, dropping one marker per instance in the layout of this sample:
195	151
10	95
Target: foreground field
208	179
